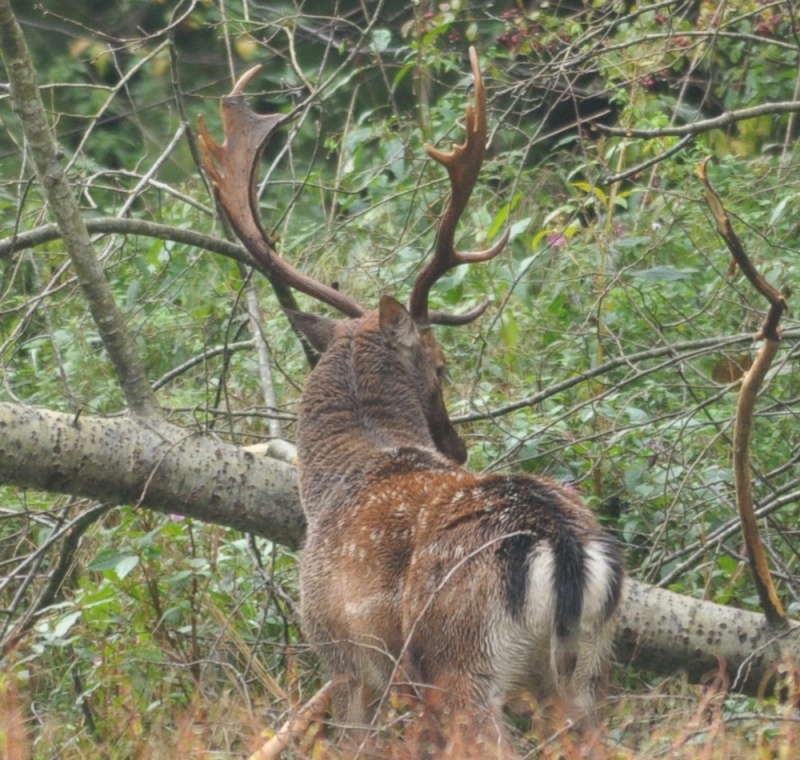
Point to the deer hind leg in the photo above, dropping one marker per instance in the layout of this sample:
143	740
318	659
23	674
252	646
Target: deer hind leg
583	693
354	705
585	686
456	721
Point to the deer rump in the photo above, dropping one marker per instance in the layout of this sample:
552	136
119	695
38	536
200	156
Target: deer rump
462	588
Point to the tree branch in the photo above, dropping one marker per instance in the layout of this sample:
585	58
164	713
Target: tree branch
675	349
666	632
125	461
705	125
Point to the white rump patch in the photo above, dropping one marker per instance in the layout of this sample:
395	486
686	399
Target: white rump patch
541	599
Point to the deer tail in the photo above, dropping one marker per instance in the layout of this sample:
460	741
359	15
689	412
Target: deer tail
587	578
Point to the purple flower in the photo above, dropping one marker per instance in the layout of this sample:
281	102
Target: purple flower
557	239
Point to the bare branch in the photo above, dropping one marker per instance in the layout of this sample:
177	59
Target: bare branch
161	467
72	534
706	125
702	345
109	225
644	637
748	395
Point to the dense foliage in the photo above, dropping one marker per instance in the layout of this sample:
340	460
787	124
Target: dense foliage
609	356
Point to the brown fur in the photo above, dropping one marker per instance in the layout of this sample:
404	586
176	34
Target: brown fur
417	573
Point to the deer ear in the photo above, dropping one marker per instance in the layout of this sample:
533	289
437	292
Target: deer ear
316	330
396	323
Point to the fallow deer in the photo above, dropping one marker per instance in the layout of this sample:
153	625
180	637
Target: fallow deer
417	573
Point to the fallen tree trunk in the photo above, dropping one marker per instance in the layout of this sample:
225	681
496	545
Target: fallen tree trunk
162	467
122	460
664	632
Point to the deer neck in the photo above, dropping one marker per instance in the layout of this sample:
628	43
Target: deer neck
359	406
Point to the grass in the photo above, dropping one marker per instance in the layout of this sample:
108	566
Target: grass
670	719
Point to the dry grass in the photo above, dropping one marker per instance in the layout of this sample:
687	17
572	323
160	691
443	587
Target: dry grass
673	720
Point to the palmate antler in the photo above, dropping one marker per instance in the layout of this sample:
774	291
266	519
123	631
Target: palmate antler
233	167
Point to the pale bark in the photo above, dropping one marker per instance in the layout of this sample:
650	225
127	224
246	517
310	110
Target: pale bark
664	632
126	461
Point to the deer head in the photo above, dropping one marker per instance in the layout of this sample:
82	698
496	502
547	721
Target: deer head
406	332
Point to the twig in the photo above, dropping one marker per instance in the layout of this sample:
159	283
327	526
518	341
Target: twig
72	533
663	156
711	344
296	725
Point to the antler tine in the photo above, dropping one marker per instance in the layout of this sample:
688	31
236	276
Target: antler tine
437	317
463	163
233	168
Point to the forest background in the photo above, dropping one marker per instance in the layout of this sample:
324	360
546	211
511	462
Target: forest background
150	606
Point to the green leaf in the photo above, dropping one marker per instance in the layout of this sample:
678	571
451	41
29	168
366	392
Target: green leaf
499	221
509	331
777	212
727	564
62	627
125	565
632	242
110	559
381	39
519	227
